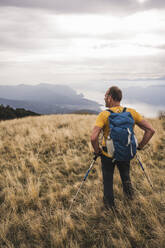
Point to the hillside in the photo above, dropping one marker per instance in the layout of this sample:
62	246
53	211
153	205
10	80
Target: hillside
7	113
46	98
43	161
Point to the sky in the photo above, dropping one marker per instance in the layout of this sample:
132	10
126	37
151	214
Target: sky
87	44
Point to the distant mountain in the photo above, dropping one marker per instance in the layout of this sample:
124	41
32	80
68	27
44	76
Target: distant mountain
154	95
85	112
46	98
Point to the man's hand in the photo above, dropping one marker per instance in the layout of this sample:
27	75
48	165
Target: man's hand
98	154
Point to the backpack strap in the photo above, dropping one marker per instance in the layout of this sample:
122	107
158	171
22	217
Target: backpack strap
110	111
124	109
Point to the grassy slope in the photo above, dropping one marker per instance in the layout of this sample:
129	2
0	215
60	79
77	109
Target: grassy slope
42	163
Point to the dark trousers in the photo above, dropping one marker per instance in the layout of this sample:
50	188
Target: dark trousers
107	171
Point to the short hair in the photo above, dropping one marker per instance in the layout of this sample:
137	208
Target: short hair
115	93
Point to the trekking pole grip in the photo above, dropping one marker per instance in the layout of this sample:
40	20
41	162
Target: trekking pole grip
96	155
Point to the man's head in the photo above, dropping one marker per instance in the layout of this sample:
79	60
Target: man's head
113	97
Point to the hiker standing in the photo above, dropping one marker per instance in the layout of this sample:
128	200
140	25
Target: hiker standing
112	99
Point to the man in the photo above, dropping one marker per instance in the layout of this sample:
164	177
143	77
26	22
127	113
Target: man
112	99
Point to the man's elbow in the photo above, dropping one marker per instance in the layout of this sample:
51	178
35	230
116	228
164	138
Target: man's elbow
152	131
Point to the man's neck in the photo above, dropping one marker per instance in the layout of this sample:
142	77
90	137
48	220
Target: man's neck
115	105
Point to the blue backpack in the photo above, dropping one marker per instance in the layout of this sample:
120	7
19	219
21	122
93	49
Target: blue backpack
122	135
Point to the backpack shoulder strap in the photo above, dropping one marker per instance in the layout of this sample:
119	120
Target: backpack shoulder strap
124	109
109	110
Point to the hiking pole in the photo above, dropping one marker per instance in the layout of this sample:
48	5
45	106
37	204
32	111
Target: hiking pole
148	179
85	177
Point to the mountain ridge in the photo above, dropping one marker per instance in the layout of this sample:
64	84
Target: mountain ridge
153	94
46	98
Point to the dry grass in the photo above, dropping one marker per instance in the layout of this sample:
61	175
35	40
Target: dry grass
42	163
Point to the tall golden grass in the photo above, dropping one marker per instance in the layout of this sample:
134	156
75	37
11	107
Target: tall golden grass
42	163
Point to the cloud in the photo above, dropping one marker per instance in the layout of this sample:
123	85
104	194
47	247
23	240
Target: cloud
20	29
23	28
88	6
116	44
152	46
152	4
74	6
78	71
37	45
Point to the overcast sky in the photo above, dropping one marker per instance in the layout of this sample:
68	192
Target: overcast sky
86	44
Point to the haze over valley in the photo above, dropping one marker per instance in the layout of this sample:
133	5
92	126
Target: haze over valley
52	99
